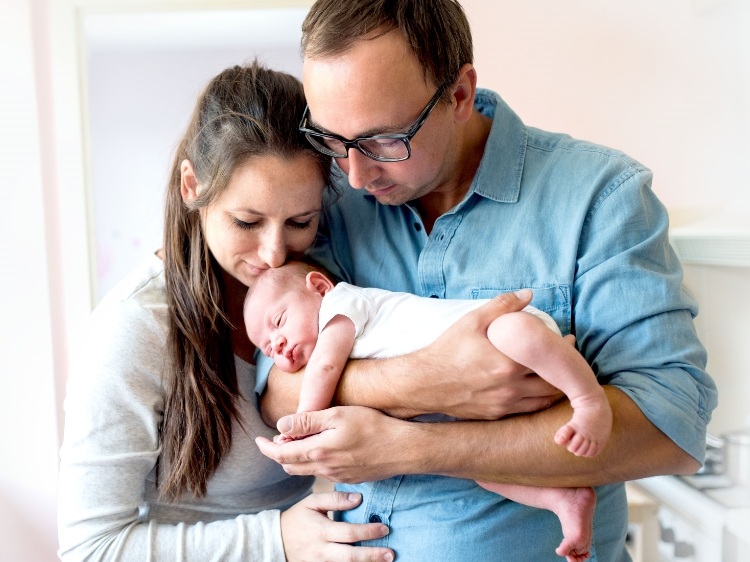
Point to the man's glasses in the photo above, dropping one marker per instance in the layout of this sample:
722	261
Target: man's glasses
383	148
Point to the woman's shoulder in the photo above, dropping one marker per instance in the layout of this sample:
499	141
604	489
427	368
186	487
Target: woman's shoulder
142	291
144	283
123	344
134	313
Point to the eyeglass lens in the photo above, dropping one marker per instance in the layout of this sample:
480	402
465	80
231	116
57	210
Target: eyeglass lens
383	147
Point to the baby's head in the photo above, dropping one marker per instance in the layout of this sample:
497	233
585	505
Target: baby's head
281	312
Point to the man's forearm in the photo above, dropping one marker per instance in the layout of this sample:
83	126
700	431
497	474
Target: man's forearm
364	382
359	444
520	449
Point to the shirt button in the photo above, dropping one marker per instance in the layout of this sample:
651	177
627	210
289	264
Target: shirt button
375	518
417	226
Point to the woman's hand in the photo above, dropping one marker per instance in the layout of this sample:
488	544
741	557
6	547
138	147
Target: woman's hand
463	375
309	535
345	444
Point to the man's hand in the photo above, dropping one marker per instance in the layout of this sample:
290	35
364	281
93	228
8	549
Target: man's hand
344	444
463	375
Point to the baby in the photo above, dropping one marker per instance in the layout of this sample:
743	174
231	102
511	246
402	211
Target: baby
298	316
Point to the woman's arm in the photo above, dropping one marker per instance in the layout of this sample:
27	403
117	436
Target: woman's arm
113	409
111	446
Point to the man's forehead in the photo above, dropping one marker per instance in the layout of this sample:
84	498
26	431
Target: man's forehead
359	88
365	107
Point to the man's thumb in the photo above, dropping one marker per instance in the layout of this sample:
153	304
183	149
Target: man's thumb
302	424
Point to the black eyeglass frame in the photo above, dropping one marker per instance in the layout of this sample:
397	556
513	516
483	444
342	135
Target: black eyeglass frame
403	137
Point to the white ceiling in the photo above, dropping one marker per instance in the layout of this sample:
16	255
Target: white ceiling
269	27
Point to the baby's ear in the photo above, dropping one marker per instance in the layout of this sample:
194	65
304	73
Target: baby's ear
316	281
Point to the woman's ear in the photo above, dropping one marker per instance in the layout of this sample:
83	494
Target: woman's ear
189	186
317	282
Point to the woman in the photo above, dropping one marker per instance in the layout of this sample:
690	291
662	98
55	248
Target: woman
159	460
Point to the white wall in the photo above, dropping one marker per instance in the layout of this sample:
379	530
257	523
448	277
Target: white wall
28	402
142	87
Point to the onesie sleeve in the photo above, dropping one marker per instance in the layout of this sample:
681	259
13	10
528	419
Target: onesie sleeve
346	300
114	407
545	318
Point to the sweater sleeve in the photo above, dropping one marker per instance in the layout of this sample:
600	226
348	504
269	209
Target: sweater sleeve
114	406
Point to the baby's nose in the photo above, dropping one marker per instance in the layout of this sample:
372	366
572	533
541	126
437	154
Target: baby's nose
278	344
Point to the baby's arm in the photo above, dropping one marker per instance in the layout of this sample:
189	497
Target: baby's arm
524	338
326	363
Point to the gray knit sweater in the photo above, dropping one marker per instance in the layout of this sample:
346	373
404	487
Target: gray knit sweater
108	505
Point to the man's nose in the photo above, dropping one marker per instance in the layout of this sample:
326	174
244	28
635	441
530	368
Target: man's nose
360	169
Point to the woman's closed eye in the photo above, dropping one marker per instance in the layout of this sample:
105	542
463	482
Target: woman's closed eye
301	225
297	225
245	225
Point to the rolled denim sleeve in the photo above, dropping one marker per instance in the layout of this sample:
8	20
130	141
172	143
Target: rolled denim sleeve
633	317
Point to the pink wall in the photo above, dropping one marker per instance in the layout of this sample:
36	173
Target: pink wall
667	82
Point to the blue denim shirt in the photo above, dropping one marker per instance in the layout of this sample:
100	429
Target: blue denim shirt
579	225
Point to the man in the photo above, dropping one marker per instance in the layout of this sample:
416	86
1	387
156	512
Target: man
454	197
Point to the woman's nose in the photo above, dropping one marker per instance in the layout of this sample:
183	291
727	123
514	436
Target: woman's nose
360	169
273	250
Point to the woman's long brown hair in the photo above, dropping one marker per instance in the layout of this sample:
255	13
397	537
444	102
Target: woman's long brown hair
245	111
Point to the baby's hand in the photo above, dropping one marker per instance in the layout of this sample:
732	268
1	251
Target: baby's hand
281	439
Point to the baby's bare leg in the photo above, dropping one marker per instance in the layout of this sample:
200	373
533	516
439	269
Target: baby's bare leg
526	340
574	508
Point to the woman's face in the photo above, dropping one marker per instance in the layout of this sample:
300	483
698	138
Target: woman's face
270	208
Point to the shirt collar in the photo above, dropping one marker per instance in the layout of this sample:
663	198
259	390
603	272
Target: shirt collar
499	174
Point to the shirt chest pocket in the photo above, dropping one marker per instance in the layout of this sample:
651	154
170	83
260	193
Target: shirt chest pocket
552	299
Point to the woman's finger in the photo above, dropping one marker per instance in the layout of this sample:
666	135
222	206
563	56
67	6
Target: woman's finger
333	501
343	552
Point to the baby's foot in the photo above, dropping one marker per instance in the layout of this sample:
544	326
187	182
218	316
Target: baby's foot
588	429
577	443
576	515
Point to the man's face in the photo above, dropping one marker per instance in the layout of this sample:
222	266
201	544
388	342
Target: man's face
377	87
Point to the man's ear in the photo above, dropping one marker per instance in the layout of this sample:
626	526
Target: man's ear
189	186
466	88
316	281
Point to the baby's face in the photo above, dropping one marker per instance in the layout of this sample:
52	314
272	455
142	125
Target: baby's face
283	323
